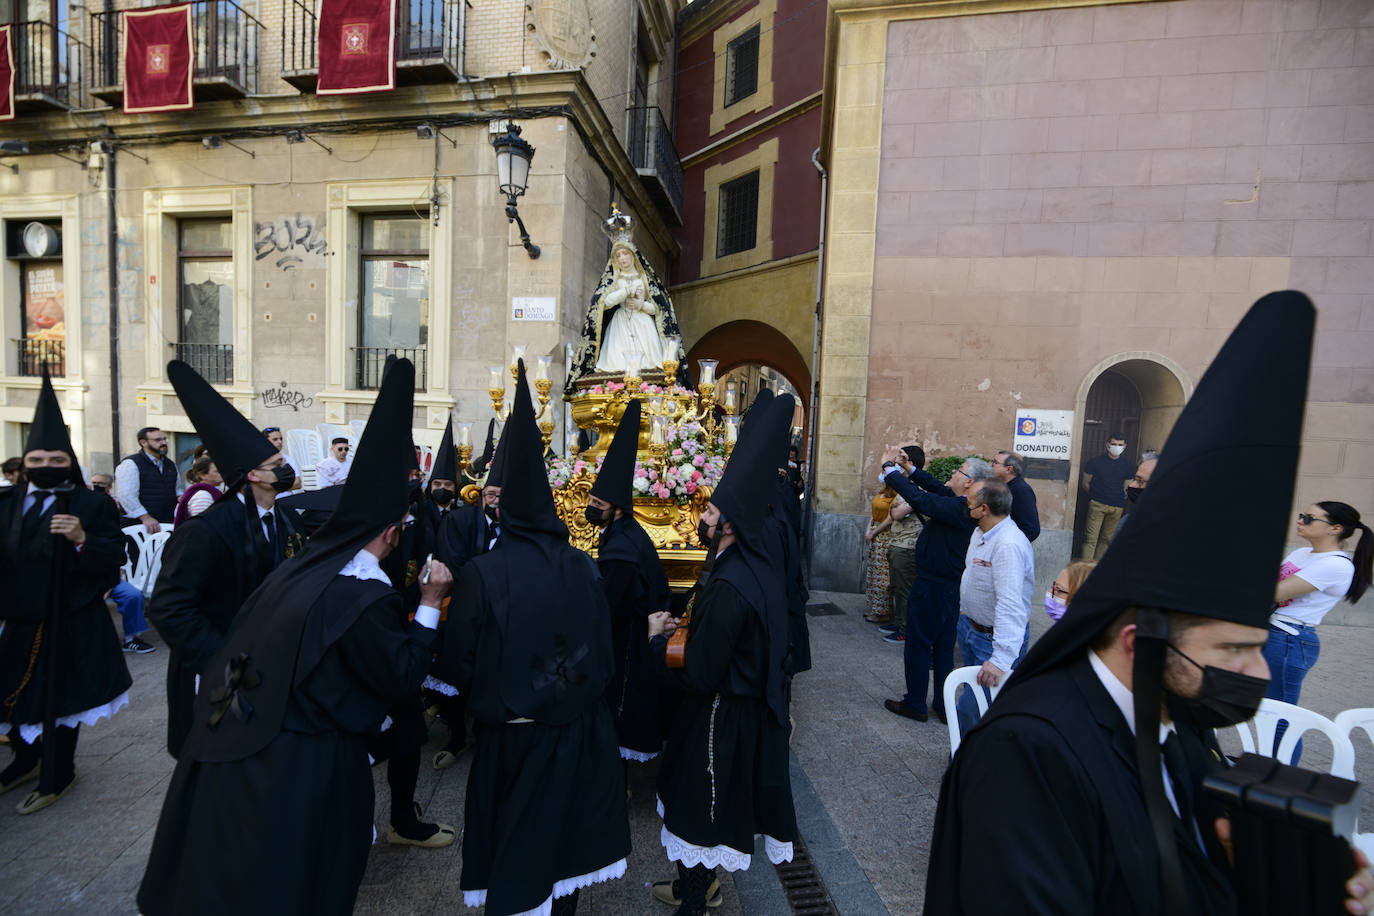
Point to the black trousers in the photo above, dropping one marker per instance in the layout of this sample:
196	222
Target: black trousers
27	756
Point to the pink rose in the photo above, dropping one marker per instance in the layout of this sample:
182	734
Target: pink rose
696	475
678	453
699	460
691	487
640	472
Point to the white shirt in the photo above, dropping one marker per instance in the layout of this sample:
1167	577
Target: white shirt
365	566
998	586
331	471
262	515
29	499
1328	572
127	485
1125	701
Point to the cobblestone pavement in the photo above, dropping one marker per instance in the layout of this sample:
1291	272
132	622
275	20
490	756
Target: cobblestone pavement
874	776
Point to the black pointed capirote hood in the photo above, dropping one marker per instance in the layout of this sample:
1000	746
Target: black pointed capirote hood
527	508
745	488
413	456
1243	425
615	481
446	459
479	466
762	401
48	431
235	444
496	467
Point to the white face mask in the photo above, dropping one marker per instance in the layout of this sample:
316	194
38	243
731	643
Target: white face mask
1115	450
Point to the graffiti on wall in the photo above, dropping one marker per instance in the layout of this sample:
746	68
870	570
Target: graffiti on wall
282	396
290	240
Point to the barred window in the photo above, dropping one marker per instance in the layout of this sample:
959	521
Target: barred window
742	67
205	297
737	229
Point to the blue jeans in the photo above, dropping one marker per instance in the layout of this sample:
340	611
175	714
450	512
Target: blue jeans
129	600
1289	658
976	648
931	609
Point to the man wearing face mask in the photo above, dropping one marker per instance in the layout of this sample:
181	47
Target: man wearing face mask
1103	480
442	489
55	633
1135	487
1083	783
213	561
635	587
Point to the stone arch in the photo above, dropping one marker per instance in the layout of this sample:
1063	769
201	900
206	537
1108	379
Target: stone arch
1164	387
736	343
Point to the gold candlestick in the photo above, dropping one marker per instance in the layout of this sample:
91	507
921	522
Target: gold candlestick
546	432
543	386
498	397
464	459
669	372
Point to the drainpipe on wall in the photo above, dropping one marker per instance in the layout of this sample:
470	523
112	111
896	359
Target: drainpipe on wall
112	243
809	510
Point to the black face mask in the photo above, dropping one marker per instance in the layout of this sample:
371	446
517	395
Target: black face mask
493	514
441	495
1133	494
1226	698
283	477
597	516
704	533
99	488
47	478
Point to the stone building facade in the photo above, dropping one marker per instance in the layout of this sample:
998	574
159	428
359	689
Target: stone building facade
285	241
1067	206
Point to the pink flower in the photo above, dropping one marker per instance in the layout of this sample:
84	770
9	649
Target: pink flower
691	487
597	389
640	472
579	466
653	475
696	475
558	482
699	460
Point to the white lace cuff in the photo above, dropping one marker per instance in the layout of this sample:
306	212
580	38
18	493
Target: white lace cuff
637	756
438	686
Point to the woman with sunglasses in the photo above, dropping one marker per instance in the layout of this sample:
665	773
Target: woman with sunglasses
1311	580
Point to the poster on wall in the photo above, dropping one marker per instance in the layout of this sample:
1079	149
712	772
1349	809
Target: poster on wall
1044	438
44	313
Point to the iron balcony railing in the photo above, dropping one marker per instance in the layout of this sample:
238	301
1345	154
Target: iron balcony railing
368	363
225	40
654	157
429	41
47	65
35	354
215	362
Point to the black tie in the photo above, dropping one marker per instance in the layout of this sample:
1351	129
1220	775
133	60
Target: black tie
33	518
1177	763
274	548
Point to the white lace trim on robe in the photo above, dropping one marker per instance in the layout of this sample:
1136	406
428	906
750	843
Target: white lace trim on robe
691	855
31	733
365	566
438	686
637	756
561	888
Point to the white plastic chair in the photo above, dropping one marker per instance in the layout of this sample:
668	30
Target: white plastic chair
356	427
304	447
331	431
310	479
967	676
144	572
1346	723
1300	721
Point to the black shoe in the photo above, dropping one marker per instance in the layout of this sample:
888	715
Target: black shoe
940	714
901	709
136	645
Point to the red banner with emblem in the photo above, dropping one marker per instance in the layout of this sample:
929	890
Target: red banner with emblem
357	46
157	59
6	73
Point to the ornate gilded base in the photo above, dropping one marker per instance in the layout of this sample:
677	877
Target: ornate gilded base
596	406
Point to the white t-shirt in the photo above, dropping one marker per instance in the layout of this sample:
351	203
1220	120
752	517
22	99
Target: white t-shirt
1330	572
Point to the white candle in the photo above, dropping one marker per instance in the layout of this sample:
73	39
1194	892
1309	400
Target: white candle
465	434
707	373
542	373
517	353
497	380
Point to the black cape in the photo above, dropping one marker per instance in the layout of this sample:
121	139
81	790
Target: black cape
287	829
635	587
210	565
1051	772
90	666
724	775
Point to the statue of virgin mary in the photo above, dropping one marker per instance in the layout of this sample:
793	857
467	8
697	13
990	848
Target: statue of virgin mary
630	321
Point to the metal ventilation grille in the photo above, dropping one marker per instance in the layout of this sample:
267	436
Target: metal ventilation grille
802	885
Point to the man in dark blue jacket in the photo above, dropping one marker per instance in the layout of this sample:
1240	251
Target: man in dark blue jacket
1010	468
932	610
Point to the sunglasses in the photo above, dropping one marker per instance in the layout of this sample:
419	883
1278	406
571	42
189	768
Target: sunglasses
271	429
1309	519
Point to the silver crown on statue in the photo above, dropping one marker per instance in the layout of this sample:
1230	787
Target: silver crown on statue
620	227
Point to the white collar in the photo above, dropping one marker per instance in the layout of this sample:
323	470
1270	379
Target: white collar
262	513
365	565
1121	695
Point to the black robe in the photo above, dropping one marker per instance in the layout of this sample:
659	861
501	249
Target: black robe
463	534
545	802
785	516
90	666
210	565
725	775
287	829
635	587
1041	812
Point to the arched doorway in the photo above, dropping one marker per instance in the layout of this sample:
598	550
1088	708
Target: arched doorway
1137	395
752	346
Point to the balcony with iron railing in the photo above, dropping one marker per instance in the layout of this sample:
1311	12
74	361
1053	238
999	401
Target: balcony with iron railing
225	41
429	42
35	354
47	68
655	159
214	362
369	362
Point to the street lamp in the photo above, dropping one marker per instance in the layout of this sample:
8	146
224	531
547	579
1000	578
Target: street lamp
513	157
